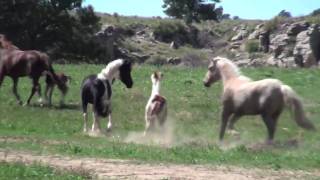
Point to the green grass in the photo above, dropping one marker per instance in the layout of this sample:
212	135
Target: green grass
19	171
194	113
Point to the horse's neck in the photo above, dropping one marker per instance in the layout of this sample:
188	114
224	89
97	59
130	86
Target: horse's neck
155	88
109	73
235	82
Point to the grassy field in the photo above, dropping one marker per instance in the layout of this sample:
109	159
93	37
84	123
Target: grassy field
20	171
194	118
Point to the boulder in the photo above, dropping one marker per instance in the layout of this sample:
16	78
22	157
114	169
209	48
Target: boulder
174	60
174	45
241	34
256	33
307	50
295	28
107	37
282	43
264	41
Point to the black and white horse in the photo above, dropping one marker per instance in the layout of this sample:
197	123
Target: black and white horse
96	90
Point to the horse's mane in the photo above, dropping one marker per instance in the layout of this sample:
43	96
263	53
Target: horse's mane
6	44
110	69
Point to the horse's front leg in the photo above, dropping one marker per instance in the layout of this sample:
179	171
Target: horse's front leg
109	126
224	121
96	129
15	91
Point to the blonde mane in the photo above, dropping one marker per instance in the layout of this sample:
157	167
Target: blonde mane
227	66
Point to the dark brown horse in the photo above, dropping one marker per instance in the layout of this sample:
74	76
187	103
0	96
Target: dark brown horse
16	63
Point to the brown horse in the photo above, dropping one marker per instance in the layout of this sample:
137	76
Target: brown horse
17	63
242	96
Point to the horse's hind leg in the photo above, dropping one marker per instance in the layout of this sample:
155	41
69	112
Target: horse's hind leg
270	121
14	90
233	120
35	88
85	115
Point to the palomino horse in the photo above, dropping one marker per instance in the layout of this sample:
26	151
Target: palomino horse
17	63
96	90
242	96
156	108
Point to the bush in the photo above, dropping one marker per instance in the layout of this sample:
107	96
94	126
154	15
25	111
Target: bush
273	24
157	60
252	46
168	31
313	19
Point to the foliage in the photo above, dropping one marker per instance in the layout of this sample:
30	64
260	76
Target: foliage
34	171
252	46
284	13
168	31
315	12
273	24
313	19
192	10
59	27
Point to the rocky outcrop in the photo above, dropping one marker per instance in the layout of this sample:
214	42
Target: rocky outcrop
264	41
241	34
295	28
106	37
307	50
257	31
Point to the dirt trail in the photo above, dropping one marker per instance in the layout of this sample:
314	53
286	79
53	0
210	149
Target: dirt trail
127	169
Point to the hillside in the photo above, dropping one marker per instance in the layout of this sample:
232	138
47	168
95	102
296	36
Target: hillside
169	41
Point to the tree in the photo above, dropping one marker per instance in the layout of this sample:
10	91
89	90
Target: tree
315	12
54	26
284	13
191	10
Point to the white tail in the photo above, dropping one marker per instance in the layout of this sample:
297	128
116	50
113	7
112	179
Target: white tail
294	102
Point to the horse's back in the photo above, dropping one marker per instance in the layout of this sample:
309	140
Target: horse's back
256	96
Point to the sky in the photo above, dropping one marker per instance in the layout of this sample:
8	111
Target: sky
245	9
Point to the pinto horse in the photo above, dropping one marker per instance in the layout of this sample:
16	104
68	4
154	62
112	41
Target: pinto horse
242	96
96	90
17	63
156	108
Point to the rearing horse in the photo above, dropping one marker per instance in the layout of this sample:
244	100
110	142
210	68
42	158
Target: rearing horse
242	96
17	63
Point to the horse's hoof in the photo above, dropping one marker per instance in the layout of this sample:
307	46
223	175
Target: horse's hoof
269	142
233	132
20	103
109	130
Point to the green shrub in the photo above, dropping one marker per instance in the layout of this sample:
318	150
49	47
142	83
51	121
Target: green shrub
252	46
313	19
168	31
273	24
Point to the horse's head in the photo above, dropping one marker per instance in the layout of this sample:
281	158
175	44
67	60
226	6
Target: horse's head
6	44
63	83
213	74
125	73
156	76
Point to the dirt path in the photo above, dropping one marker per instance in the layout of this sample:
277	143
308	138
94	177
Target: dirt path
125	169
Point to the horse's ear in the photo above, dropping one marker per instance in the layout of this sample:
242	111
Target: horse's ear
156	75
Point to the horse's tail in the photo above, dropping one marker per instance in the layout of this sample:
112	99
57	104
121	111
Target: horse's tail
293	101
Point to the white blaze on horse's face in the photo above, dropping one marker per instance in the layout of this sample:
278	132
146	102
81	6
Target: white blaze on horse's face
213	73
